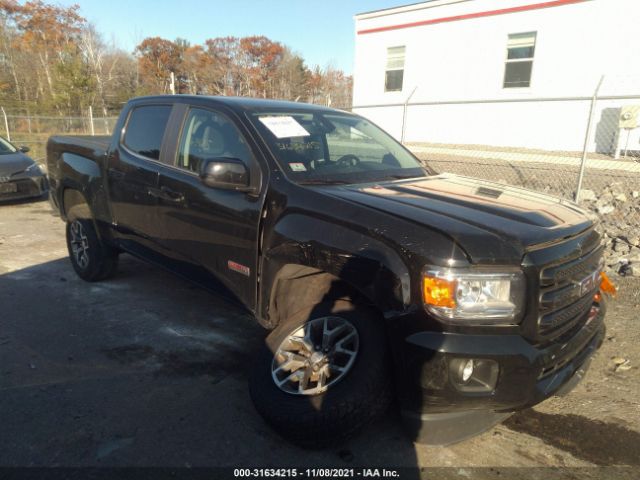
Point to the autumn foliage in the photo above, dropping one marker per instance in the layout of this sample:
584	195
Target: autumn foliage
53	61
251	66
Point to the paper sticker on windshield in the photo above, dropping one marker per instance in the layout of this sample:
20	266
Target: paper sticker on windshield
284	126
297	167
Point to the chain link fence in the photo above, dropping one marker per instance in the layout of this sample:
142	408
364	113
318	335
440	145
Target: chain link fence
34	131
583	148
609	187
580	148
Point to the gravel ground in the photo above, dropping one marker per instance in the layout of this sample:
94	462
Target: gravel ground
147	370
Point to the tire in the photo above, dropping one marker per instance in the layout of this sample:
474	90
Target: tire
354	399
91	259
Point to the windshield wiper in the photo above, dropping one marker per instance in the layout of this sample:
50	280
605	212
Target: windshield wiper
404	177
317	181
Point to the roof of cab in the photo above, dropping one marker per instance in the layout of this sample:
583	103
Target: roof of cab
239	103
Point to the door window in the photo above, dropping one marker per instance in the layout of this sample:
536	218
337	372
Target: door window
145	130
208	135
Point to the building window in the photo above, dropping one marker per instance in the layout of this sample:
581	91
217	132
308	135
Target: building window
395	69
520	50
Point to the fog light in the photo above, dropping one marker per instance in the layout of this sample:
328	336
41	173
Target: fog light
467	370
471	375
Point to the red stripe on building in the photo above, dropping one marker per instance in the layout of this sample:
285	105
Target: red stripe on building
490	13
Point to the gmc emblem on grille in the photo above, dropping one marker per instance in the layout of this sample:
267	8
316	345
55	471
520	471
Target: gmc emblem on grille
589	283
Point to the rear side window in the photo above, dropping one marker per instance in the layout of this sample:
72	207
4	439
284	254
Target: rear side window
145	130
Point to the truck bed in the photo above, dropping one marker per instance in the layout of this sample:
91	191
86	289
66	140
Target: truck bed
91	146
81	154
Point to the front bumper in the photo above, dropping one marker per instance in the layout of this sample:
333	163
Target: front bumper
528	374
22	187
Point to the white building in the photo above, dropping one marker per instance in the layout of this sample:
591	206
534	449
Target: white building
500	72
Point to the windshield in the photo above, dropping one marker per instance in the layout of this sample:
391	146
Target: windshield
5	147
333	148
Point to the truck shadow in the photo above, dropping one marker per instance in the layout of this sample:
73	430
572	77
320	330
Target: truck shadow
175	349
215	363
180	356
591	440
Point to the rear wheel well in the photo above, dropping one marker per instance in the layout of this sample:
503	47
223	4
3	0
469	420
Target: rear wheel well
76	207
297	286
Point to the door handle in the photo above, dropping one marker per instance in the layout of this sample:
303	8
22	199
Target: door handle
171	195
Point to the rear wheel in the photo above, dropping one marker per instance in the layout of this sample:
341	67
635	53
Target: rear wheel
90	258
323	374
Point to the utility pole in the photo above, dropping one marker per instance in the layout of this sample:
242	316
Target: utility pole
404	113
583	161
172	84
6	123
91	127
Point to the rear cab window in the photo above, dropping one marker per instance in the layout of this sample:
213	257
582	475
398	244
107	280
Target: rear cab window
145	129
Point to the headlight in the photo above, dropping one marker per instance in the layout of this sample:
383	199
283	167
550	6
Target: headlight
474	297
34	168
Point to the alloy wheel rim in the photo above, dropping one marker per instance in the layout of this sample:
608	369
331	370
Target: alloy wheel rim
79	244
315	356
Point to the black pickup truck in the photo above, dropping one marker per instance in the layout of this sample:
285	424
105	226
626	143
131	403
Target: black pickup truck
376	277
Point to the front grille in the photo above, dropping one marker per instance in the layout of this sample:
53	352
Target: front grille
577	357
25	187
566	293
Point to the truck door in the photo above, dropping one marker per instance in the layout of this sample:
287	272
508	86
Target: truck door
215	229
132	173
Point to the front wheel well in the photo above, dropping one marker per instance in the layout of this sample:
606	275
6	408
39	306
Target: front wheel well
295	287
75	205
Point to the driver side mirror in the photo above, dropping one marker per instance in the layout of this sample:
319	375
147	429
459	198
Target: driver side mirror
225	173
24	149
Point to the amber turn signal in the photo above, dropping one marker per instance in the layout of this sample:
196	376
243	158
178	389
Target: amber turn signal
439	292
606	285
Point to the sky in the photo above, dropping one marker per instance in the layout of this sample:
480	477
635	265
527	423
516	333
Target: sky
321	32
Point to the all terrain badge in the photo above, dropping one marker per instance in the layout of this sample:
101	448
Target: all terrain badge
236	267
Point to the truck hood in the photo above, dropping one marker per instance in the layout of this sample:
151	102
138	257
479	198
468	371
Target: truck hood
14	163
492	222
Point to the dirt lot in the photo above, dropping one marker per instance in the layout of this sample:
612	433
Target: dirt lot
147	370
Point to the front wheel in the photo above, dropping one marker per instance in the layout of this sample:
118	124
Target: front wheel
323	374
90	258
